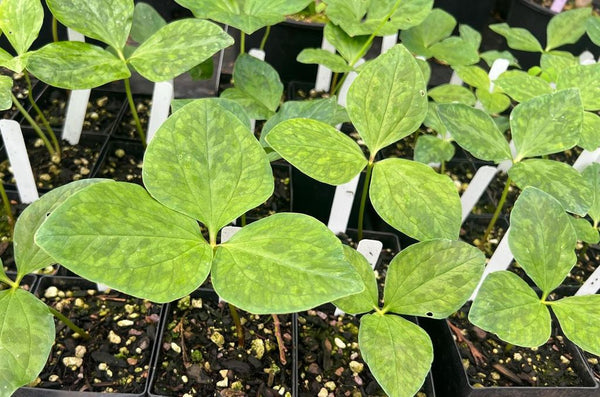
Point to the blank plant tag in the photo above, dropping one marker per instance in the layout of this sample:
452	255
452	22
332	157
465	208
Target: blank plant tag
586	158
558	5
323	80
258	54
19	160
226	233
76	110
162	96
342	206
478	185
591	285
500	260
388	42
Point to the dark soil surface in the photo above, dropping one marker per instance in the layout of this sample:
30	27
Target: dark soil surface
117	357
474	227
123	162
200	354
126	127
280	200
489	200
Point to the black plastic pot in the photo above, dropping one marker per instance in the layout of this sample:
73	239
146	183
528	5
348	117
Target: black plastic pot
169	10
475	13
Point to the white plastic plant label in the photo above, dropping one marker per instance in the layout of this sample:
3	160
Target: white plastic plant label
162	96
558	5
388	42
228	232
256	53
591	285
342	206
19	160
323	80
77	104
481	180
586	158
500	260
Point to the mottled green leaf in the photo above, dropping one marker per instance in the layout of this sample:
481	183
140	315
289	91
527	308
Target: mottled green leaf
585	78
521	86
398	353
473	76
542	239
18	63
388	101
558	179
319	56
259	83
579	317
547	124
437	26
455	51
349	47
21	21
281	264
490	56
554	62
567	27
203	71
517	38
593	29
146	22
502	122
108	21
4	55
584	230
433	121
425	69
6	84
508	307
590	132
26	338
470	35
592	176
75	65
145	250
28	255
178	47
233	107
452	93
318	150
492	102
475	131
246	15
432	278
416	200
366	300
431	149
204	162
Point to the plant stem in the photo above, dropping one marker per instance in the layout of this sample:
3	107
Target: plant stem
6	280
54	29
263	42
243	220
69	323
443	167
492	223
363	198
334	81
282	348
40	114
8	210
238	325
134	112
242	42
34	125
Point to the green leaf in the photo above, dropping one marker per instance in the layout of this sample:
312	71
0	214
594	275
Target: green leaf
470	35
18	63
257	87
584	230
433	120
558	179
508	307
233	107
366	300
146	250
432	278
318	150
297	257
28	255
490	56
431	149
593	29
108	21
416	200
522	86
437	26
6	84
336	63
542	239
585	78
502	122
567	27
203	71
455	51
205	163
245	15
146	22
21	21
26	338
75	65
590	132
451	93
492	102
517	38
388	101
473	76
555	61
579	317
547	124
398	353
475	131
348	47
178	47
591	174
425	69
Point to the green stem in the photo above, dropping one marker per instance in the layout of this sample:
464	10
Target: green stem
243	220
363	199
8	210
84	335
263	42
54	29
242	42
134	113
238	325
6	280
443	167
334	81
499	207
40	114
34	125
339	85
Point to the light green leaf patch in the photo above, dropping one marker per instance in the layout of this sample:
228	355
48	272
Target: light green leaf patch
366	300
21	21
432	278
388	101
542	239
197	161
579	317
6	84
297	257
593	29
348	47
585	78
336	63
26	338
437	26
414	199
567	27
590	131
146	22
592	176
558	179
144	250
553	62
178	47
318	149
490	56
452	93
455	51
470	35
473	76
584	230
508	307
75	65
398	353
475	131
517	38
431	149
521	86
233	107
492	102
433	120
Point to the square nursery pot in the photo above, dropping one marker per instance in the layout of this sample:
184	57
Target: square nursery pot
123	334
205	359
